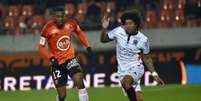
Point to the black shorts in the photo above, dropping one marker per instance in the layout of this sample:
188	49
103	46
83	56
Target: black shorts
60	74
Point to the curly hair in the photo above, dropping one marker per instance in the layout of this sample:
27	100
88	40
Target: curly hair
132	15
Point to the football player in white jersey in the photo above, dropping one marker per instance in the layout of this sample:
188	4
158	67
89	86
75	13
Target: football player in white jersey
130	44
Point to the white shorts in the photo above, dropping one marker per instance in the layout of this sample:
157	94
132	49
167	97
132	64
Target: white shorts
136	72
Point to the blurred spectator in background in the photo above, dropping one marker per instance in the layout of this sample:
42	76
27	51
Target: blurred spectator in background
192	13
124	4
151	4
40	6
192	10
0	13
1	28
138	6
89	12
93	12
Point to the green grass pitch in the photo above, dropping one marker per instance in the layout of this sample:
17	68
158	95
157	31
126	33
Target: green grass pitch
167	93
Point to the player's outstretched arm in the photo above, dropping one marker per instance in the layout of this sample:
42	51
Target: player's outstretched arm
149	63
42	50
105	23
82	37
85	42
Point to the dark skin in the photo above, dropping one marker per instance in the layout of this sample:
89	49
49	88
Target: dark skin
60	18
130	26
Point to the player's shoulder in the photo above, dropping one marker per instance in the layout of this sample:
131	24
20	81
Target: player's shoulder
71	21
49	23
142	36
117	30
46	27
72	24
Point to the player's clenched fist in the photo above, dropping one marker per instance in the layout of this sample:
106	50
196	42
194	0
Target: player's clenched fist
54	62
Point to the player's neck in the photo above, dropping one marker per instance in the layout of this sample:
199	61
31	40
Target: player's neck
59	26
131	33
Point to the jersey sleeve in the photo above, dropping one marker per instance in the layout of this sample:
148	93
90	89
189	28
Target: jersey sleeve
43	40
73	25
112	34
44	31
81	35
42	50
43	37
46	27
146	46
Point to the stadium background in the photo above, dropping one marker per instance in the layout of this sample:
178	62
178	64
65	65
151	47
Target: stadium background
173	26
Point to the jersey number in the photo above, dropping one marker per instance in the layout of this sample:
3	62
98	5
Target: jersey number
57	74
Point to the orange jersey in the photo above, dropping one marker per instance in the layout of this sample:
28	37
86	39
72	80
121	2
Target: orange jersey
59	40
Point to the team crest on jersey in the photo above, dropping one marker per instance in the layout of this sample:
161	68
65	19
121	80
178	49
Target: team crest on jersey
135	42
63	43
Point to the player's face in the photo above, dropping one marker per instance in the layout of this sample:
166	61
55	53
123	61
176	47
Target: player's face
130	26
59	16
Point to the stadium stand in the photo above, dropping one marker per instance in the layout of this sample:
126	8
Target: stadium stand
172	13
27	10
150	19
70	9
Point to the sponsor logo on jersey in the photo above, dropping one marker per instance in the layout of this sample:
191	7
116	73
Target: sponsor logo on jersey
73	63
63	43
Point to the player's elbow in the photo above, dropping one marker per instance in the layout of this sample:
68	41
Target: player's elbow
103	41
40	48
104	38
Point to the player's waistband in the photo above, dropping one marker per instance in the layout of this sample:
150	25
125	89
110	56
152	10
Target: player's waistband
69	60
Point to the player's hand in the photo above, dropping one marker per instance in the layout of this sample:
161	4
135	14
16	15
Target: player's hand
54	62
91	68
91	55
159	80
90	52
105	22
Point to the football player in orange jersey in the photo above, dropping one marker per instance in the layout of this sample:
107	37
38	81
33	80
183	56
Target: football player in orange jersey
57	35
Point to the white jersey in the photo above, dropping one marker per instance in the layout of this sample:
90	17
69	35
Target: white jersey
128	52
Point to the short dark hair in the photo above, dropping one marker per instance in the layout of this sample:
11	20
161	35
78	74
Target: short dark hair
133	15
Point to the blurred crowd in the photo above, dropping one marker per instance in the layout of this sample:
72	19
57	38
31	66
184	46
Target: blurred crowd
28	16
